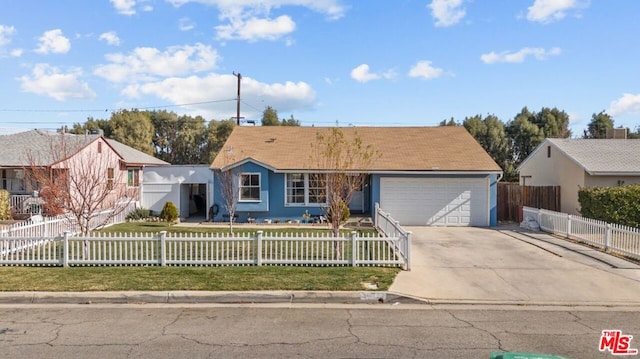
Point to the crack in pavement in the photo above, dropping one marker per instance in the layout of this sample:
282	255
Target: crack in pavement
472	325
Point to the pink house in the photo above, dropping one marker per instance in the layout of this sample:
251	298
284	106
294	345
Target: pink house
39	166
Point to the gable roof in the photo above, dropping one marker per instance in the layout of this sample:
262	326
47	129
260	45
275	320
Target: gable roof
15	147
598	156
134	157
284	148
40	143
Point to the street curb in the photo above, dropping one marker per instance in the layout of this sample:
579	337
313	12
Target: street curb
193	297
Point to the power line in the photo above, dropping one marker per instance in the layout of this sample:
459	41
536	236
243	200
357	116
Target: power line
113	110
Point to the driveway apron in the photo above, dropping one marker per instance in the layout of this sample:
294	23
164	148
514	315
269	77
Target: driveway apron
488	265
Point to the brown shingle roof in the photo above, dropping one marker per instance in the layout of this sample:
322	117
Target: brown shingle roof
445	148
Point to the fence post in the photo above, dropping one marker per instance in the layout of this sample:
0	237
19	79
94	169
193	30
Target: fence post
259	254
607	238
65	249
354	248
539	213
408	259
163	248
568	225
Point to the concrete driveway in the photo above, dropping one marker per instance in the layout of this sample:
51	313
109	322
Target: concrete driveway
506	265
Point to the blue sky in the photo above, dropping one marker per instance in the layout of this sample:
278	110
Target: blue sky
351	62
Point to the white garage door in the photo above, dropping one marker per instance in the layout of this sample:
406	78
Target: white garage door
437	202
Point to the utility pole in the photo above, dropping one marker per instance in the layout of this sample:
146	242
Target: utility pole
239	76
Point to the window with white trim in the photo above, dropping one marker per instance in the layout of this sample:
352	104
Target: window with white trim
133	177
249	187
304	189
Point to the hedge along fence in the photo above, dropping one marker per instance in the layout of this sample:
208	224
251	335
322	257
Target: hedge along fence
619	205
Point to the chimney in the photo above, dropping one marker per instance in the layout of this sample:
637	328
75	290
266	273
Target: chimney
617	133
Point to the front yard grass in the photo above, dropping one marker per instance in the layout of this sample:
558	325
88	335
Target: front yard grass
57	279
231	278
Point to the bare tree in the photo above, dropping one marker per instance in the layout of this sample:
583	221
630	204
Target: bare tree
80	178
345	162
229	187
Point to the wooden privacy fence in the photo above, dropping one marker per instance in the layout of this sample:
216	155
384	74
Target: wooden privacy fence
512	197
171	249
609	237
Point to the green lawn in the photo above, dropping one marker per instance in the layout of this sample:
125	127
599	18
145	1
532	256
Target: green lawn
241	278
146	227
58	279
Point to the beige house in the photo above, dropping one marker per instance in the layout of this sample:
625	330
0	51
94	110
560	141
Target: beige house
575	163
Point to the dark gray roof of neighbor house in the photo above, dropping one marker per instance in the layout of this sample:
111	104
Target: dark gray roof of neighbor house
42	148
38	147
602	156
133	157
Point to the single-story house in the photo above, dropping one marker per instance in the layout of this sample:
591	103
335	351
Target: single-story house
423	175
189	187
575	163
69	155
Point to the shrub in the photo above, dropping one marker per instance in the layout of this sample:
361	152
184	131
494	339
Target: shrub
169	212
138	214
619	205
5	205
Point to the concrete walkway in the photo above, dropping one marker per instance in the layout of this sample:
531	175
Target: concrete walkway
506	265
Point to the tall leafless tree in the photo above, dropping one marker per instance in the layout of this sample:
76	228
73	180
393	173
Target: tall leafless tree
345	162
229	187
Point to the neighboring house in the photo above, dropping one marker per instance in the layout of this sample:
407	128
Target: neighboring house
68	155
189	187
424	175
575	163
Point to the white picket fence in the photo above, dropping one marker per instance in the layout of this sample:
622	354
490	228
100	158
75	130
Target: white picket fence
609	237
206	249
391	228
40	226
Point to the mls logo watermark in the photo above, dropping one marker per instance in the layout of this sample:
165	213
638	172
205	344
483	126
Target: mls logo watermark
617	343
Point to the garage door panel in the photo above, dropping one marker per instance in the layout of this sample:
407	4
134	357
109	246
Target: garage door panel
439	202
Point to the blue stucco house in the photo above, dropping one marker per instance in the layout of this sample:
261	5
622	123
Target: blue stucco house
423	176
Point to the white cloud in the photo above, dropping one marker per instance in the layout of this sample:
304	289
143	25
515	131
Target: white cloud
423	69
249	20
53	41
331	8
520	55
254	29
627	104
147	63
111	38
447	12
362	74
185	24
50	81
285	97
550	10
16	52
5	34
124	7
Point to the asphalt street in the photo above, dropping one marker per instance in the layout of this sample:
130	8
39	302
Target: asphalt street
304	331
